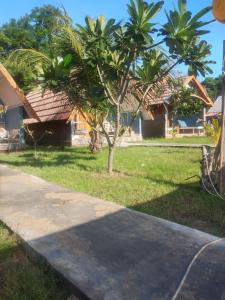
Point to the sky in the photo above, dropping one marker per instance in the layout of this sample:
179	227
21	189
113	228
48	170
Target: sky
117	9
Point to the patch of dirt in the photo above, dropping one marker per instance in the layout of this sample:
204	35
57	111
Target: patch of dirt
115	173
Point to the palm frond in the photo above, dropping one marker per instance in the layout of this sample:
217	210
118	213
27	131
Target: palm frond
29	57
71	35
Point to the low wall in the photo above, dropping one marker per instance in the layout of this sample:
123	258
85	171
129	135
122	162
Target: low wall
10	147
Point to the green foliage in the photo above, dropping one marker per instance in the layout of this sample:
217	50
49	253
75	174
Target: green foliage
46	20
139	27
25	77
174	133
196	58
25	65
34	31
16	34
116	46
213	86
154	64
184	103
182	36
213	130
188	106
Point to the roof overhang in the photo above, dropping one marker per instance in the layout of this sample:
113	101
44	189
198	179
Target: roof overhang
10	94
202	94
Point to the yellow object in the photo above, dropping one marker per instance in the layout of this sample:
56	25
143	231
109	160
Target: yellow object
219	10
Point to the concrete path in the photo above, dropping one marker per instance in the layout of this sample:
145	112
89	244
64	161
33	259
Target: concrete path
164	145
109	252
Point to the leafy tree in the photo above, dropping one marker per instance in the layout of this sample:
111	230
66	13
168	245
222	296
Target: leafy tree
16	34
213	86
45	21
33	31
122	52
185	104
110	60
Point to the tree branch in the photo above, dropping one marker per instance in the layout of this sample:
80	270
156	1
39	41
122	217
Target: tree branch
106	135
125	79
155	45
106	88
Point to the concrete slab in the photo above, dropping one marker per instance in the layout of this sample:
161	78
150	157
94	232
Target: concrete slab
165	145
106	251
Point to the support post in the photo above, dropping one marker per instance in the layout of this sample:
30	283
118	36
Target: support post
140	126
222	139
204	122
166	133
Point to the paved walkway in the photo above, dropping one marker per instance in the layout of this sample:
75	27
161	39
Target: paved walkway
106	251
164	145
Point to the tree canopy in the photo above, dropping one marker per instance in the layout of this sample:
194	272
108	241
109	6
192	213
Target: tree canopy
32	31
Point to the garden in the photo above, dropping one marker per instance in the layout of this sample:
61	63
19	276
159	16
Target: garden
97	65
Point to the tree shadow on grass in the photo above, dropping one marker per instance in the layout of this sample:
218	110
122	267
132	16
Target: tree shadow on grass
189	205
43	159
132	256
25	277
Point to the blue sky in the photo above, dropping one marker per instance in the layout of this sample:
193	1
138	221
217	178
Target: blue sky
78	9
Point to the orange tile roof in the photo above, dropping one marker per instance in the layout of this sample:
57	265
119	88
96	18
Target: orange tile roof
157	94
203	95
162	91
49	106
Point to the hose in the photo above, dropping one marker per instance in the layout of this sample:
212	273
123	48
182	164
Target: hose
190	266
217	194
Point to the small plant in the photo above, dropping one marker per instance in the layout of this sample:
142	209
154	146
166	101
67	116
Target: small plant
213	130
174	132
3	109
35	139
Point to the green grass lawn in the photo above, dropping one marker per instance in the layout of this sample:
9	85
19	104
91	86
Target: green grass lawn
151	180
182	140
20	279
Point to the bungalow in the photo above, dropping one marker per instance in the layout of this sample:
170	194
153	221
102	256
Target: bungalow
13	109
216	110
161	106
60	123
